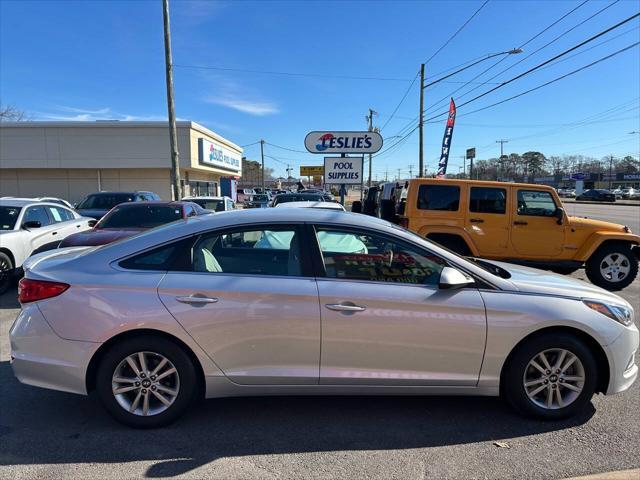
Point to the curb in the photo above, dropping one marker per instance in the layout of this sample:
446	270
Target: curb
613	204
617	475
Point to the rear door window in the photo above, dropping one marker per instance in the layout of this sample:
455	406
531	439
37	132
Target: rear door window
488	200
59	214
439	197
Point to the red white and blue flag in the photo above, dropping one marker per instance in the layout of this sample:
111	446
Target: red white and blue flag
446	141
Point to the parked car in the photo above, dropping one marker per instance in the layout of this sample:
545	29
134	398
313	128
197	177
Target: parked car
521	223
328	197
618	192
127	219
391	312
307	204
597	195
27	225
59	201
259	200
244	195
97	204
630	193
567	192
216	204
297	197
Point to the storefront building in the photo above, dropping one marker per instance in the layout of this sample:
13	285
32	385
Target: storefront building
72	159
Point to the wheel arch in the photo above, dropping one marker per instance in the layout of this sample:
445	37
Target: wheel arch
92	368
600	356
435	236
598	241
9	253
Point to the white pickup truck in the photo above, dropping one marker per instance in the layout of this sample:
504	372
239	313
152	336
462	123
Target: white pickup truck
27	225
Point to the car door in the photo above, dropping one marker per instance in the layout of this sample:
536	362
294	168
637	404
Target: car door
65	222
47	232
487	220
247	296
384	319
535	232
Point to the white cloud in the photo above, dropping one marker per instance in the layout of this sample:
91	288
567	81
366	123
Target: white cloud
246	106
89	115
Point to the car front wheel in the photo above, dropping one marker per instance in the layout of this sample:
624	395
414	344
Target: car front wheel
550	377
6	272
146	382
612	267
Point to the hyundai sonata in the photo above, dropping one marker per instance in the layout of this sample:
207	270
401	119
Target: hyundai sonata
310	301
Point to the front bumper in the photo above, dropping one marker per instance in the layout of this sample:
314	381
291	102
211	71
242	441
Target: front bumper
622	354
41	358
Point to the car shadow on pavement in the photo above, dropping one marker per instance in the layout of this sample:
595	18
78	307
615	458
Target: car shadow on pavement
46	427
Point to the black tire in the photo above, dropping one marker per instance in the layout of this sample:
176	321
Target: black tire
592	267
188	385
356	207
6	272
512	383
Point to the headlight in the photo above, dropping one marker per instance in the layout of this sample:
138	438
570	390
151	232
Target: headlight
618	313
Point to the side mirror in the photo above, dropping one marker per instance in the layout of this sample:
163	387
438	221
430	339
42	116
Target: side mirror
31	224
559	215
450	279
75	205
92	223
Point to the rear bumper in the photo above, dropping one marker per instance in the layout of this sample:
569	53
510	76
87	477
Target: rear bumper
622	353
41	358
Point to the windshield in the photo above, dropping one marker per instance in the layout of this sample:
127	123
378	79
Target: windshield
104	201
8	217
140	216
260	198
209	204
298	198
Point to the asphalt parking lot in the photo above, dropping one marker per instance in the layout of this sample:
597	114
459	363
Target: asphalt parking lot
47	434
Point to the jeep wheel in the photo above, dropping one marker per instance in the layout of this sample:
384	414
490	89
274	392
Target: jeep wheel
612	267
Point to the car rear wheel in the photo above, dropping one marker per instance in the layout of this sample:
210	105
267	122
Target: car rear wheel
6	272
146	382
550	377
612	267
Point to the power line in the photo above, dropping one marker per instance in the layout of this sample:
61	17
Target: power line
553	81
437	104
401	100
539	49
546	62
293	74
286	148
456	32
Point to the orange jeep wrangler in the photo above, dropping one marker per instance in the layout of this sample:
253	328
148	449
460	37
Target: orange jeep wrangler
519	223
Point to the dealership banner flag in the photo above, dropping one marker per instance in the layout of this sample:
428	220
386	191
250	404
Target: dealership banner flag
446	141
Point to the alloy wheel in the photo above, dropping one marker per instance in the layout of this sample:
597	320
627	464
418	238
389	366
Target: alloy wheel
145	383
615	267
554	378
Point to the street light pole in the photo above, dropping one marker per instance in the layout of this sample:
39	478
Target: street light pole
262	155
610	169
173	136
513	51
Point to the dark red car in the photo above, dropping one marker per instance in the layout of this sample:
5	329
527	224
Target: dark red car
127	219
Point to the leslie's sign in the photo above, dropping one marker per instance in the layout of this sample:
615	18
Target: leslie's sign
343	142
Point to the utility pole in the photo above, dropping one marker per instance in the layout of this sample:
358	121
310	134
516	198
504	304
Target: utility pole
421	123
464	166
386	174
501	142
399	174
262	155
370	119
410	171
610	169
173	136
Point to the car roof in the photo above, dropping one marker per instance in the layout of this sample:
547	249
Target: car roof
157	203
488	183
205	197
311	204
23	202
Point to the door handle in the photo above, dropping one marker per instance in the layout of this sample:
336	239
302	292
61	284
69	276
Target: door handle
476	220
192	299
341	307
520	223
78	226
54	233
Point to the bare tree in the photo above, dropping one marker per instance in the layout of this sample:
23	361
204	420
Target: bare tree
9	113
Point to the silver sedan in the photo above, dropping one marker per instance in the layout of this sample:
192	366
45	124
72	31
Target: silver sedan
310	301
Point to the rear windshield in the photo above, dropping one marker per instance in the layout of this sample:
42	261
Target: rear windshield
209	204
8	217
260	198
105	201
298	198
140	216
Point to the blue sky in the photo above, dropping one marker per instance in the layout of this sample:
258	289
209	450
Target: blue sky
88	60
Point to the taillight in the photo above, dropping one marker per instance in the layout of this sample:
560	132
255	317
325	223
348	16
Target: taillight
33	290
404	222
